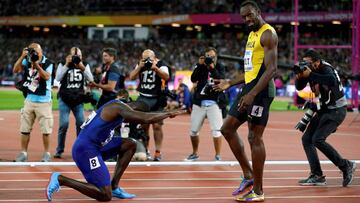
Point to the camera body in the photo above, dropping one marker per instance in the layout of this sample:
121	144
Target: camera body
301	67
169	94
208	60
32	54
76	59
304	121
148	63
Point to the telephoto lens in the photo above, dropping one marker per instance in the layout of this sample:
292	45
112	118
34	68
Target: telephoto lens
304	121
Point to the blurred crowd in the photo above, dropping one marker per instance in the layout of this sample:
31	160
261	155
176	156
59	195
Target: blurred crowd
132	7
180	52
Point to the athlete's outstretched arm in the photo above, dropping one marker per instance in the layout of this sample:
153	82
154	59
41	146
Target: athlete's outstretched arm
223	84
131	115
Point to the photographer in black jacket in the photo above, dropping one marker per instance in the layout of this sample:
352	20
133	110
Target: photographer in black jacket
325	83
206	101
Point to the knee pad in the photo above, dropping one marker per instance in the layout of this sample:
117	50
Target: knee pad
23	133
193	134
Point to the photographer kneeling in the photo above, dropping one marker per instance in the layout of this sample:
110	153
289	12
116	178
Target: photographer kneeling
325	83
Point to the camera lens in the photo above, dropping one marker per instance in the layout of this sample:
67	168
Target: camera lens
148	63
304	121
208	60
76	59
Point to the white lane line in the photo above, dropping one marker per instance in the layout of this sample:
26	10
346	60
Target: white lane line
166	163
186	198
164	172
174	179
184	188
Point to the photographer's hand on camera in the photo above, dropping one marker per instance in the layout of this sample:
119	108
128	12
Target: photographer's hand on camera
68	60
305	74
24	53
42	73
154	65
201	60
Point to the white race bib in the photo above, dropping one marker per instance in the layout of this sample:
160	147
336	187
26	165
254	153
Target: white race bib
257	111
248	66
94	163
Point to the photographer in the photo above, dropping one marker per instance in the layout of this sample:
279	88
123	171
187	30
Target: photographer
206	102
325	83
72	76
37	87
153	75
113	78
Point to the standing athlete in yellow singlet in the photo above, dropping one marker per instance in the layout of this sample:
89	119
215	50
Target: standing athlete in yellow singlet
253	103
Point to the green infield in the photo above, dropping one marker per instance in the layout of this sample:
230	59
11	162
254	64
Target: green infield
13	100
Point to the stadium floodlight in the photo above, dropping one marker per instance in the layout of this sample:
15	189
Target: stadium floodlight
189	28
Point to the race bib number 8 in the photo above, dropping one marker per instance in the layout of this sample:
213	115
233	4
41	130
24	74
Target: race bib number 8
94	163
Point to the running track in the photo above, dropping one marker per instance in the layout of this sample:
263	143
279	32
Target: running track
176	181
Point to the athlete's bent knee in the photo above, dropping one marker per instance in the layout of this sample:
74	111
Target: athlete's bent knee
106	197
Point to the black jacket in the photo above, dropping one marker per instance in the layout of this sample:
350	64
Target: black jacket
331	90
202	75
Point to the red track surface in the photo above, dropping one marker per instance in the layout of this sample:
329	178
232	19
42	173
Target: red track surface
188	183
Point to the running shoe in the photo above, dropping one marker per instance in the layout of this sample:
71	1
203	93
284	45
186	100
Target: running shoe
53	186
121	194
58	155
348	173
148	156
21	157
192	157
246	186
157	156
217	158
251	197
313	180
46	157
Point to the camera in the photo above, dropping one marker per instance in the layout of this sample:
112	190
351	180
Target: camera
304	121
208	60
301	67
169	94
32	54
76	58
148	63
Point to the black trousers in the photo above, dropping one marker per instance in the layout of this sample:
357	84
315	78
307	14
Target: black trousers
320	127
